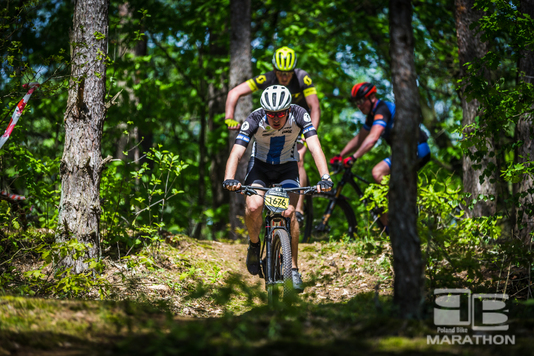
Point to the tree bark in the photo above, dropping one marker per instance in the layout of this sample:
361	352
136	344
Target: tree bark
139	50
218	156
407	261
82	164
470	47
525	153
240	71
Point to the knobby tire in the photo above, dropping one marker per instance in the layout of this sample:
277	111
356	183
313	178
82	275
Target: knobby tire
281	266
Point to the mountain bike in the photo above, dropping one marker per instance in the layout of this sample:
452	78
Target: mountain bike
325	205
275	267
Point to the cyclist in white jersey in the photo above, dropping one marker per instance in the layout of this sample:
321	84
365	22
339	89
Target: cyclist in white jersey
275	128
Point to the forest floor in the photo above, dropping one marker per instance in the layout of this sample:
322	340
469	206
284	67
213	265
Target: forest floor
196	297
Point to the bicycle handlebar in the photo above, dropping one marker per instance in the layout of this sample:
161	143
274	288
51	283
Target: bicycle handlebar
252	190
339	167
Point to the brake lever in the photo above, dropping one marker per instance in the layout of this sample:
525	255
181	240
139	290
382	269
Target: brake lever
310	190
247	191
336	168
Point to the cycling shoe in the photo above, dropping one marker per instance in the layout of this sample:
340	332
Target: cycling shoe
300	217
253	258
298	285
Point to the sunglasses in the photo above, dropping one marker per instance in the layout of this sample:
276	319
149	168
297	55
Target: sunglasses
281	72
359	101
279	114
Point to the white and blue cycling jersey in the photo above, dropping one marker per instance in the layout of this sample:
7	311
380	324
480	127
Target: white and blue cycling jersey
275	146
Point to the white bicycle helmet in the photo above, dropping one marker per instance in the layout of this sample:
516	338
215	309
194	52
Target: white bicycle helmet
275	98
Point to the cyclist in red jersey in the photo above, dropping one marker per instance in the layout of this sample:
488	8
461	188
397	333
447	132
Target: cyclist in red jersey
379	122
303	93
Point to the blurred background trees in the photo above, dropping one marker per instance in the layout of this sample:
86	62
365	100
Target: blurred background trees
169	63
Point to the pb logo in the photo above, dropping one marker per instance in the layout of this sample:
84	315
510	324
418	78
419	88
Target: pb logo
261	79
458	307
307	80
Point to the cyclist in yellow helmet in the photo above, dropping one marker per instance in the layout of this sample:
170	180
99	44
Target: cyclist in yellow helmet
302	91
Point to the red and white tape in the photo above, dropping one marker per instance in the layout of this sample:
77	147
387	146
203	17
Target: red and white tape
18	112
12	196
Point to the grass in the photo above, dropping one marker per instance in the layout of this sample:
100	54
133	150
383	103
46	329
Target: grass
200	280
127	328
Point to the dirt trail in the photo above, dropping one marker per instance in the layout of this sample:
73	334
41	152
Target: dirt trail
332	272
189	275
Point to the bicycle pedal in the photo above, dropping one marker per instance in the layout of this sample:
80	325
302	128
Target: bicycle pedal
322	228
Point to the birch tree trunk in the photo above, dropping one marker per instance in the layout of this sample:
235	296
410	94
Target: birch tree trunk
525	153
240	71
407	261
81	164
470	47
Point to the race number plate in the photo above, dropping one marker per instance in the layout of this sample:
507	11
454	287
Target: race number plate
276	200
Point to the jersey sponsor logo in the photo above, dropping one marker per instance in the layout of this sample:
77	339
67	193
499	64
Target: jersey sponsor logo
307	80
295	96
261	79
307	117
286	131
379	117
245	126
268	133
243	137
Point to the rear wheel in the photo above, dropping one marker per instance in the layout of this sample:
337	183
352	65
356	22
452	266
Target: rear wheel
280	268
320	225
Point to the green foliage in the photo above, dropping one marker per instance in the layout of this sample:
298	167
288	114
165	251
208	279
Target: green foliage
455	245
504	96
64	282
143	198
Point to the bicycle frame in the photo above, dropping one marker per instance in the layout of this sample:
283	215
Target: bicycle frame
273	221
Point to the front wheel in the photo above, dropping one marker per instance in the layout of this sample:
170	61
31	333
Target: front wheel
280	268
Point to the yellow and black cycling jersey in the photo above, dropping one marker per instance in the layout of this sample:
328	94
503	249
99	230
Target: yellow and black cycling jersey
300	85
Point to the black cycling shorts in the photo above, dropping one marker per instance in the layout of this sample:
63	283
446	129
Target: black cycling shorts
266	174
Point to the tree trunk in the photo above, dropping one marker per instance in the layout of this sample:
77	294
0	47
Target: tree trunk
125	143
81	165
240	71
218	156
407	260
525	153
471	47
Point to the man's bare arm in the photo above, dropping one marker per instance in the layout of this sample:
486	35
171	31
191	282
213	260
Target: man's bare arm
231	101
369	141
355	143
314	145
313	103
233	160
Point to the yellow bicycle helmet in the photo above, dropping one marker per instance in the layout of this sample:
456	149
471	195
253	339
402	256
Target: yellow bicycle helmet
284	59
